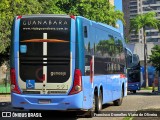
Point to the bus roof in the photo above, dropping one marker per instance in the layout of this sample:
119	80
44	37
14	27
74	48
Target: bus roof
45	15
103	25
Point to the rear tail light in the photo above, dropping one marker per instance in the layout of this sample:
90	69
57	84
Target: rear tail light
19	17
122	76
14	86
77	84
72	16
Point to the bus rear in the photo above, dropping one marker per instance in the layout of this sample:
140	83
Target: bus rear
134	75
43	63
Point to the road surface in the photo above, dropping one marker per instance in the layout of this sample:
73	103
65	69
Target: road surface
133	102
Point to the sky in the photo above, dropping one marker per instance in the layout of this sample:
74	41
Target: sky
118	5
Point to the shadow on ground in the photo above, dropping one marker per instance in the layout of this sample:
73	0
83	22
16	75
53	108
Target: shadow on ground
145	93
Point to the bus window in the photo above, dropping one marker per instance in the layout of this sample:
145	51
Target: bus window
85	32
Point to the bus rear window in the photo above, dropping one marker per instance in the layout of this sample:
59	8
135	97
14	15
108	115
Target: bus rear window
57	36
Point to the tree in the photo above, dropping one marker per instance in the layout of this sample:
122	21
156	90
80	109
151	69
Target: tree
97	10
142	21
52	6
155	57
8	10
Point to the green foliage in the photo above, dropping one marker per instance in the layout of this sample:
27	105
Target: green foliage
143	21
128	118
155	57
126	40
97	10
149	88
8	10
51	7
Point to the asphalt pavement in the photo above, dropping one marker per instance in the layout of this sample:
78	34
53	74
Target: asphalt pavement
143	99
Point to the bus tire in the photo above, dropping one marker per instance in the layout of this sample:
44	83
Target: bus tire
97	105
134	91
98	102
118	102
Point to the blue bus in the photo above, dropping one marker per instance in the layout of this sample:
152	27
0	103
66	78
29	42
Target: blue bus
62	62
134	72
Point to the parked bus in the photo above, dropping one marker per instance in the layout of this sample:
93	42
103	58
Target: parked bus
61	62
134	72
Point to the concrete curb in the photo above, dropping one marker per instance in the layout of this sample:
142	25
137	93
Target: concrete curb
5	98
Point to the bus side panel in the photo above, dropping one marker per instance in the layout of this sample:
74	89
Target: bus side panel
106	83
16	48
73	49
125	86
79	45
73	42
117	86
87	92
80	61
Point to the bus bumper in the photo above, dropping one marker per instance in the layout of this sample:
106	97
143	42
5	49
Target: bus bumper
133	86
47	102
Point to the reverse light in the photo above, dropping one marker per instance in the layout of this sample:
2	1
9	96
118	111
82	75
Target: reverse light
14	86
77	84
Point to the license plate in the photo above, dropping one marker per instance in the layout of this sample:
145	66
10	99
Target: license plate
44	101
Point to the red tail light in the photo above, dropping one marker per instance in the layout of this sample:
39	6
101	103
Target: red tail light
14	86
122	76
19	17
72	16
77	84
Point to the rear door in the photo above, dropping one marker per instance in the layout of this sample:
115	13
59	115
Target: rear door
44	54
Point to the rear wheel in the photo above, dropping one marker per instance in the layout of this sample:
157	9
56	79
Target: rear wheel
98	103
134	91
